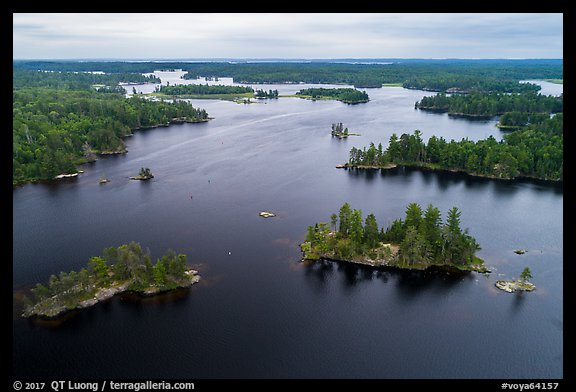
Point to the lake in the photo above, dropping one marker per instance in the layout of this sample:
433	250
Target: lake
259	312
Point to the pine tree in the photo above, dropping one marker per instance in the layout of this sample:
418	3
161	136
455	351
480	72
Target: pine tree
413	216
526	275
453	221
159	272
371	231
99	268
345	215
334	220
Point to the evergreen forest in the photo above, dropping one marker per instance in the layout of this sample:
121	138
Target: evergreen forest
57	126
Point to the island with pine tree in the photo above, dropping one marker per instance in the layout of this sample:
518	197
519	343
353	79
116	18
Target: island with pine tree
144	175
418	242
126	268
521	284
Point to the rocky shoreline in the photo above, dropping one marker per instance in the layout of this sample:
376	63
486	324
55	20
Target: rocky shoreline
103	294
390	263
511	286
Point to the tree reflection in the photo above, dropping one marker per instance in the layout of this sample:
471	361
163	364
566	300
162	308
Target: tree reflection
517	303
409	284
318	272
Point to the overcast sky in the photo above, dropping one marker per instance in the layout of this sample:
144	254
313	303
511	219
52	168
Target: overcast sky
286	35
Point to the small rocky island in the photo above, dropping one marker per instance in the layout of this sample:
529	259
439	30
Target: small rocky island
521	284
145	174
418	242
126	268
340	132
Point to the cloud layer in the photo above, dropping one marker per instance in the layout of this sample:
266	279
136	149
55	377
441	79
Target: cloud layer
287	35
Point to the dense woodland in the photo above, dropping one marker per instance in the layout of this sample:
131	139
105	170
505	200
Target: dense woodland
55	129
534	151
76	80
128	263
346	95
492	104
422	237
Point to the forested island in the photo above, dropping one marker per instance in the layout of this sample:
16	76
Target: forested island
206	91
57	126
346	95
535	151
119	270
262	94
419	241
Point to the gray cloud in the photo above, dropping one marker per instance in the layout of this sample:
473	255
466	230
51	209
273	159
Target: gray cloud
289	35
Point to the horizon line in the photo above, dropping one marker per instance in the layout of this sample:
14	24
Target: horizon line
279	59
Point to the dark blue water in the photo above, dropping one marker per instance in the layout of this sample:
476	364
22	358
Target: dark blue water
260	312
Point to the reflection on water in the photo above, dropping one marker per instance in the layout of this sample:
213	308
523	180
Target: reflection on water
518	302
409	284
445	179
318	273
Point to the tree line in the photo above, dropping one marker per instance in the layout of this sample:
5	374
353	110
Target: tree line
534	151
127	263
422	237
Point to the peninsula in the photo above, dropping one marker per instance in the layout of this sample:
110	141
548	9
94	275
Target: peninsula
119	270
56	130
418	242
535	151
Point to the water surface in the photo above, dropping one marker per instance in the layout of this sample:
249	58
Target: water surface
261	313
